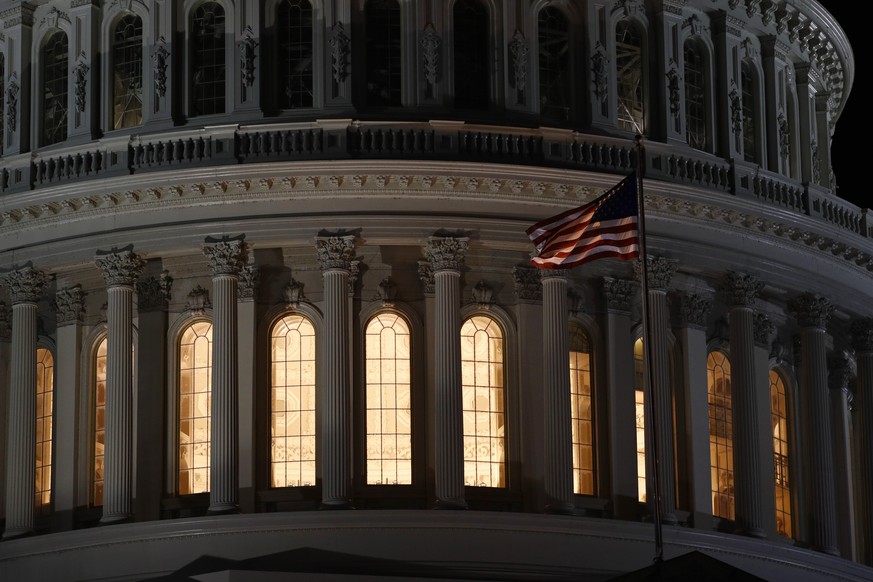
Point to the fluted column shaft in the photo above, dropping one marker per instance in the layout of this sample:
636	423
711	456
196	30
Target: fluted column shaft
556	388
335	255
812	313
446	255
862	340
120	270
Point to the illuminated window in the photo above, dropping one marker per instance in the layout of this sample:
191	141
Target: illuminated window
292	408
581	411
389	410
484	415
55	81
640	404
207	59
127	72
99	423
45	383
554	57
383	70
472	70
695	95
294	37
195	401
750	123
629	68
781	465
721	446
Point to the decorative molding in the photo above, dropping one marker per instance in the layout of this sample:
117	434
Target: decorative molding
249	276
692	310
519	50
387	291
26	285
248	53
161	59
226	257
483	295
354	271
120	268
425	275
80	78
446	253
153	293
784	135
736	107
198	301
527	283
673	82
660	271
69	305
339	51
739	289
335	252
811	310
599	70
52	18
618	294
12	90
293	293
763	329
430	45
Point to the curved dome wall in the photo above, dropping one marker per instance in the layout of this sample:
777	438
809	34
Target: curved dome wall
269	258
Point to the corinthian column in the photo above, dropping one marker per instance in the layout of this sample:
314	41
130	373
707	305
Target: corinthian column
740	292
335	254
26	286
862	341
660	271
556	387
226	258
812	313
120	271
446	256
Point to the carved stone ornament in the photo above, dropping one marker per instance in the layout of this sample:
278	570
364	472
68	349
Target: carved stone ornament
425	275
692	310
248	282
763	330
5	322
153	293
161	58
12	102
630	7
354	271
446	253
660	270
840	371
732	4
483	295
226	257
736	106
752	7
862	335
26	285
599	72
430	52
618	294
247	53
120	269
70	305
387	292
519	51
335	252
739	289
811	310
198	301
293	293
816	169
784	135
528	284
339	51
80	77
673	82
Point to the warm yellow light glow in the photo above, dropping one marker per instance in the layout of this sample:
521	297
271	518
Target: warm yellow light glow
721	446
781	464
581	414
389	410
195	401
45	381
482	380
640	410
99	423
292	407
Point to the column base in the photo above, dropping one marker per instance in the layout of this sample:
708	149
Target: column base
222	510
560	509
450	504
669	519
336	505
17	533
114	519
827	550
752	532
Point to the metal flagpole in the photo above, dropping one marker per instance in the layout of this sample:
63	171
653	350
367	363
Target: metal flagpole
647	351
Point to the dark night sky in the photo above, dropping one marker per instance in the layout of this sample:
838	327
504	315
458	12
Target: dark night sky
849	144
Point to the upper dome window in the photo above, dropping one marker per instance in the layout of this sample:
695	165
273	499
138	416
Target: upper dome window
56	83
127	72
294	62
383	65
472	63
207	59
554	54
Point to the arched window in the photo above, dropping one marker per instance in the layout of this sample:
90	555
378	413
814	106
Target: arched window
750	121
781	463
55	82
292	408
2	102
554	59
581	403
695	74
388	401
721	438
640	403
631	95
471	67
294	41
127	72
45	392
195	401
207	59
99	424
483	402
383	64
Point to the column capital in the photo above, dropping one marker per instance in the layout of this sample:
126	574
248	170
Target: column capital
527	283
811	310
249	277
226	257
739	289
660	270
862	335
618	293
335	252
446	253
26	285
840	372
70	305
153	293
120	269
692	310
763	329
425	275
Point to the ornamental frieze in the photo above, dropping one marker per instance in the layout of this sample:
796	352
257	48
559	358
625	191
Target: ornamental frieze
446	253
120	269
26	285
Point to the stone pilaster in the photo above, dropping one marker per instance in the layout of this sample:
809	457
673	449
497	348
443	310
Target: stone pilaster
446	257
26	287
812	313
840	376
335	256
18	28
120	270
226	258
862	341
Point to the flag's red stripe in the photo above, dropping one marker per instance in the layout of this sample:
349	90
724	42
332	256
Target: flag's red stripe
610	233
574	232
575	251
566	265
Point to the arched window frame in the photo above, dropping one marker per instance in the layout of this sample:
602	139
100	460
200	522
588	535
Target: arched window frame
641	25
790	384
231	77
599	429
703	44
721	347
750	67
319	81
408	54
46	343
494	32
41	36
793	170
570	12
114	13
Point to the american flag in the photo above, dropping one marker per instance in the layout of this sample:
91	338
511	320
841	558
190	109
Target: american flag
606	227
